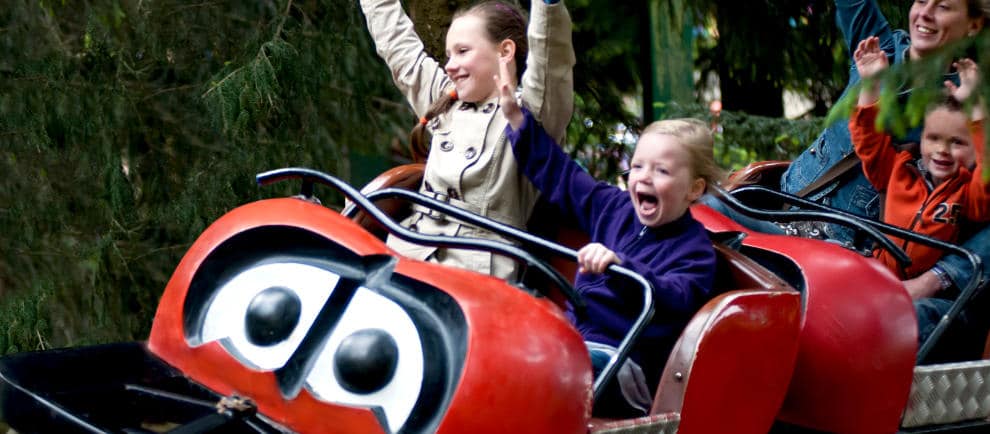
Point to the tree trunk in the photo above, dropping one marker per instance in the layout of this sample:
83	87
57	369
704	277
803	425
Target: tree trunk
431	19
749	69
670	77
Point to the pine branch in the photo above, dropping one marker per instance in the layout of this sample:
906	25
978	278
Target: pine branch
382	101
281	24
53	29
167	90
192	6
217	85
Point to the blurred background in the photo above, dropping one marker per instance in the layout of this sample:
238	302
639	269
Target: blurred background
126	127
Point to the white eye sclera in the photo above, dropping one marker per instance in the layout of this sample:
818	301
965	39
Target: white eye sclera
226	316
371	317
287	298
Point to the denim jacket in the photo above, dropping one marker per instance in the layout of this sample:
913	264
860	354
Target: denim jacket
857	19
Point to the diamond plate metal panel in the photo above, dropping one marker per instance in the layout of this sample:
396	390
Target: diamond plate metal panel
655	424
947	393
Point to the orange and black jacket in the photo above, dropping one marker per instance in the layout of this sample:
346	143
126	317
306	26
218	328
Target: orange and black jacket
911	201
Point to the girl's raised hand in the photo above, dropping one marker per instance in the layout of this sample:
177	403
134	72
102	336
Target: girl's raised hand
969	78
507	95
595	258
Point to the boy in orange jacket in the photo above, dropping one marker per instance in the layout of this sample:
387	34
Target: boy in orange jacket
931	195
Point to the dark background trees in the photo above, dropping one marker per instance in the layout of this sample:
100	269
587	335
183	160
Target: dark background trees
127	127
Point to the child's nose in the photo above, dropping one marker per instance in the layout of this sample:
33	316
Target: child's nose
941	151
450	66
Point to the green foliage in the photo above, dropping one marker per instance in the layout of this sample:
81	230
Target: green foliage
607	73
26	320
741	139
768	46
127	127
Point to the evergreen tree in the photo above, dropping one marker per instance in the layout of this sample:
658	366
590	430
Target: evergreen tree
127	127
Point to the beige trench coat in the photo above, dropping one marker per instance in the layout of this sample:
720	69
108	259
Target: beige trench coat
470	163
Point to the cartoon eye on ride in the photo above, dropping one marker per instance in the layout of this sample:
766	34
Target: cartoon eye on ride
341	326
262	314
371	361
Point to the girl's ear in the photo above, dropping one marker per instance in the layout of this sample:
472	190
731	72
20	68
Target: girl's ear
697	189
507	49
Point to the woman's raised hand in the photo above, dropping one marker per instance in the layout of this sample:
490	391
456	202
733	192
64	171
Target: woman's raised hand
870	59
507	94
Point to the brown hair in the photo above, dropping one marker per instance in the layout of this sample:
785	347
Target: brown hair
947	102
502	21
696	138
978	8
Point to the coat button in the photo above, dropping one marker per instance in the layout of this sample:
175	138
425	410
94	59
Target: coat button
812	151
488	108
453	194
446	145
440	254
470	153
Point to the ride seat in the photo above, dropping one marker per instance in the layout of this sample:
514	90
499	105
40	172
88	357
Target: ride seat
407	176
765	173
730	368
546	221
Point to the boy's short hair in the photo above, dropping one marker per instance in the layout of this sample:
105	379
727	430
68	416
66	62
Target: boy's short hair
948	102
696	137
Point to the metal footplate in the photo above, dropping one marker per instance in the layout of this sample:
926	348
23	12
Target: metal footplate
948	393
665	423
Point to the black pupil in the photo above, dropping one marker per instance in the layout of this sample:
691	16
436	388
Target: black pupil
366	361
272	315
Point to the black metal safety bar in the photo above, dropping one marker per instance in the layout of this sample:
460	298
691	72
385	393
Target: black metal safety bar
361	202
966	293
534	242
820	213
310	176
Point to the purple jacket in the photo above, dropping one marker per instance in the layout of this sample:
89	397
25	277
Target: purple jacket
678	258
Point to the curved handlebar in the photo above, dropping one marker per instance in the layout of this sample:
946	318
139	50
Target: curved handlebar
531	241
310	176
823	214
966	293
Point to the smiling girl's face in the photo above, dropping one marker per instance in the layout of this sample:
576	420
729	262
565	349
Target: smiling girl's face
472	59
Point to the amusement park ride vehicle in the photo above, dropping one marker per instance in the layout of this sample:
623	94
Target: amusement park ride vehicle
286	316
